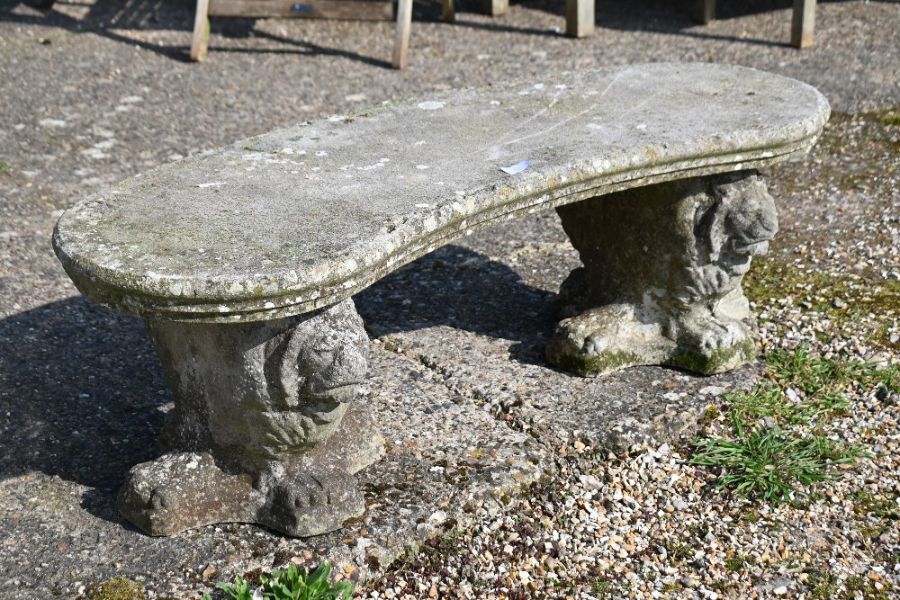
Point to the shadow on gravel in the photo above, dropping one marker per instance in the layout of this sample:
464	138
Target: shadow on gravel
109	18
80	397
112	18
653	16
459	288
82	392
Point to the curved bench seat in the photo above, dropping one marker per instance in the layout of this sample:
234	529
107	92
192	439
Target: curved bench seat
243	260
303	217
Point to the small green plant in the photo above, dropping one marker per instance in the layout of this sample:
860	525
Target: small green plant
770	450
820	376
289	584
768	462
602	589
239	590
4	166
822	585
770	401
735	563
750	515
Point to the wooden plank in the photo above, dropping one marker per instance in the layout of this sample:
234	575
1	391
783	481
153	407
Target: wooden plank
496	8
579	18
448	11
803	23
704	11
401	36
357	10
200	40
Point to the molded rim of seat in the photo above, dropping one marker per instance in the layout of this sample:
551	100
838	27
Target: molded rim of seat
412	214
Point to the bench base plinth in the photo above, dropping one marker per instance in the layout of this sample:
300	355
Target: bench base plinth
661	282
264	428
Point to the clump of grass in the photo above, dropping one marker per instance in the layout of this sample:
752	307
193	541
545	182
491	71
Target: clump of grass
289	584
815	375
771	402
735	563
769	463
776	441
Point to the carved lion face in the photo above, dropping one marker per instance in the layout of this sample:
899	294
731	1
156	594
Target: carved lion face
743	221
312	372
732	225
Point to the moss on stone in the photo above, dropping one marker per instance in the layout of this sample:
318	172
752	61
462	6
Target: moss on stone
120	588
601	363
719	360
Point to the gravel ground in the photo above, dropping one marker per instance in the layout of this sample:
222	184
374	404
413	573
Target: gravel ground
649	524
93	92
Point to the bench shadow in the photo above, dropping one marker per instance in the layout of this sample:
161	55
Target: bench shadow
653	16
459	288
81	398
120	20
111	18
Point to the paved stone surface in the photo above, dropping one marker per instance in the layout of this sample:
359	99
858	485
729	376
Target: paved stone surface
443	458
93	94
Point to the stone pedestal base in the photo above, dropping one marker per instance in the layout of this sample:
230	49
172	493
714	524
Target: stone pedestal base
661	282
263	429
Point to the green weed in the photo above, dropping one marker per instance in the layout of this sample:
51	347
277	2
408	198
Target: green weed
883	507
769	451
768	463
735	563
814	375
289	584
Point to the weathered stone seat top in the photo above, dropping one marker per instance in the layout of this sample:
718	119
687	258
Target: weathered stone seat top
304	217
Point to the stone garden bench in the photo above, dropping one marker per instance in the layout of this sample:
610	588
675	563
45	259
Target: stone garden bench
243	261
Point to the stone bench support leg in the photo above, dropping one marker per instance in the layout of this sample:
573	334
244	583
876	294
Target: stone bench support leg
661	282
265	428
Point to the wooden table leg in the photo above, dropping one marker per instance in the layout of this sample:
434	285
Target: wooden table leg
401	37
705	11
448	11
495	8
803	23
200	40
579	18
